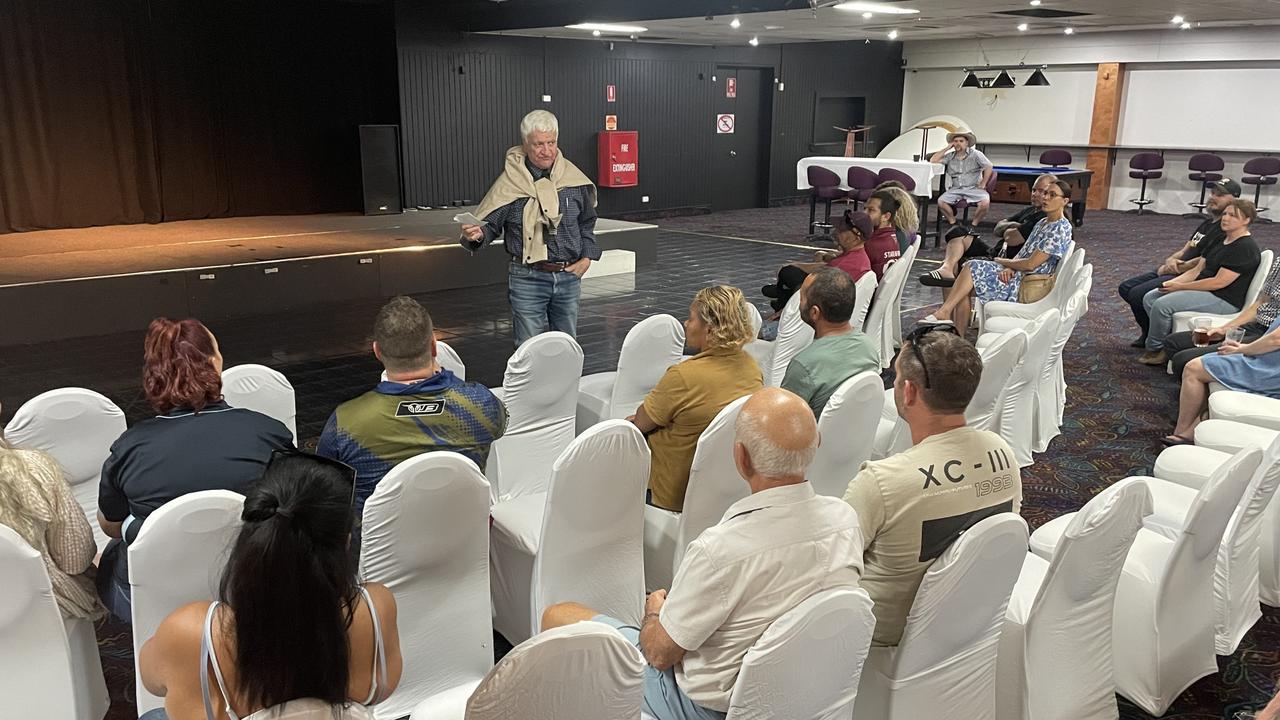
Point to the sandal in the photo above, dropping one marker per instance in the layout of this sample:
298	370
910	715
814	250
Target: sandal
933	320
934	278
1174	440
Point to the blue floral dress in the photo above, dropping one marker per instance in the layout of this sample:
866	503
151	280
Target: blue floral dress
1049	237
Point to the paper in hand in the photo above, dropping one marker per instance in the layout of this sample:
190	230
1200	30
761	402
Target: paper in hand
467	218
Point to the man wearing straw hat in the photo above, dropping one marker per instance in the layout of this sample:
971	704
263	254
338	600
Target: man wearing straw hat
968	172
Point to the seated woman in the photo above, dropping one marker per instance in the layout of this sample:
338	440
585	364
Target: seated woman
852	230
36	502
906	219
1252	367
1217	283
1001	278
197	442
690	393
293	632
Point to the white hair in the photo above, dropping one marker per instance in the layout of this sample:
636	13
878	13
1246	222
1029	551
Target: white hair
539	121
769	458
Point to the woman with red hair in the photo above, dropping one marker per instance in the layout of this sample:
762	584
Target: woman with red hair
195	442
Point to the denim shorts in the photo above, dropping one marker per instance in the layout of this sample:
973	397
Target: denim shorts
663	698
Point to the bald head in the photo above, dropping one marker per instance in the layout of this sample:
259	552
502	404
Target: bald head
775	438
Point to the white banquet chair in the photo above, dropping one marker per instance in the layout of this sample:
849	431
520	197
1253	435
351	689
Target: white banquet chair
847	427
864	291
650	347
794	335
884	320
261	389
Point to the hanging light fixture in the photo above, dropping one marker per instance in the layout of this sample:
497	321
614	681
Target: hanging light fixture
971	80
1037	79
1003	80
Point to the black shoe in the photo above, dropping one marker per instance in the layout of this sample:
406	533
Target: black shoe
769	291
1139	343
933	278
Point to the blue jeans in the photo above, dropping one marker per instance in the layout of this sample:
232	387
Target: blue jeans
663	698
541	301
1135	289
1162	305
157	714
112	581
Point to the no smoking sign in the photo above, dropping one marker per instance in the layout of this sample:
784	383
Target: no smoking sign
724	124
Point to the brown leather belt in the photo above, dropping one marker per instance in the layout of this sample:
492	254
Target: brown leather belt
550	267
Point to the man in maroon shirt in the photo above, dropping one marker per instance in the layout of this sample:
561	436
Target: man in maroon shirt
882	246
852	230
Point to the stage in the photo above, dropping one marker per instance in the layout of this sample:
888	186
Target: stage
57	284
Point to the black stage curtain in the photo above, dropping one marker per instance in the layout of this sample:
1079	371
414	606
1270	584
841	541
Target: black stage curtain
118	111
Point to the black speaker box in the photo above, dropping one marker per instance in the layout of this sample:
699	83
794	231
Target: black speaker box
380	169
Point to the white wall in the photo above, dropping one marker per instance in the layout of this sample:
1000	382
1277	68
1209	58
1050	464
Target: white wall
1201	89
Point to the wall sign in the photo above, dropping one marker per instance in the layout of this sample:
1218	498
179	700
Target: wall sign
731	87
611	93
610	122
724	124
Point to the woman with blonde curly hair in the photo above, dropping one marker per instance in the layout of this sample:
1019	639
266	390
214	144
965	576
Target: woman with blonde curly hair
36	502
691	393
906	221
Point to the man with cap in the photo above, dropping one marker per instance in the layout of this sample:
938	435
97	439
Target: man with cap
853	229
1206	235
968	172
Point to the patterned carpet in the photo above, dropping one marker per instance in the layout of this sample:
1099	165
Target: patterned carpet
1116	411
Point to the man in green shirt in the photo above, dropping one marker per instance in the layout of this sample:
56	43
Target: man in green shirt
838	352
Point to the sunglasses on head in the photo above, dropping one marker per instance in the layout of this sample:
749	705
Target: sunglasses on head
347	471
919	332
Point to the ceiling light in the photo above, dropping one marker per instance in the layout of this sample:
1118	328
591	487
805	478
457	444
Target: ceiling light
971	80
1037	79
875	7
1003	81
772	27
595	33
1177	20
1022	27
866	16
735	23
893	34
608	28
1035	3
1068	31
754	41
1185	26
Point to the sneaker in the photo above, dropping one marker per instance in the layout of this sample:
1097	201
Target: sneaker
769	291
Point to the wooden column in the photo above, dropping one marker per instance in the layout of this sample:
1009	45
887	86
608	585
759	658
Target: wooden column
1103	130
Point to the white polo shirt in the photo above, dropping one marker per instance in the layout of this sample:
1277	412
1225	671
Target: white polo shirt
768	553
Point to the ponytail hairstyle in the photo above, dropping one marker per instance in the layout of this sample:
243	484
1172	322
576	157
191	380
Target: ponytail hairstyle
291	583
178	370
906	217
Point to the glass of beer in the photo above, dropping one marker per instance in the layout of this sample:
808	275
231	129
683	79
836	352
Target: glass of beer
1200	330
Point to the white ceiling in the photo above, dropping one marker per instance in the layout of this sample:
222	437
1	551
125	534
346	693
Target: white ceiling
941	19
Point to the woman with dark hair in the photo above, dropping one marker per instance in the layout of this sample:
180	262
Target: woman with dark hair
293	635
196	442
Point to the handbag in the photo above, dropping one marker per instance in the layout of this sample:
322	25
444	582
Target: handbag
1034	287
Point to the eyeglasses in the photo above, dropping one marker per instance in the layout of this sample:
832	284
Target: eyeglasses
347	471
917	333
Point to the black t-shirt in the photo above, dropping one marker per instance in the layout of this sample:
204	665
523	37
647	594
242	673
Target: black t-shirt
1242	256
1207	234
157	460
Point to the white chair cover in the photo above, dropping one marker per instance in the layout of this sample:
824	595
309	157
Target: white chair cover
945	666
425	536
1244	407
847	427
808	662
886	307
261	389
1051	390
914	249
650	347
585	670
759	350
48	668
592	516
793	336
448	359
1064	284
540	390
1163	629
753	317
714	485
1182	320
1017	403
1235	579
864	291
77	427
176	559
998	363
1055	649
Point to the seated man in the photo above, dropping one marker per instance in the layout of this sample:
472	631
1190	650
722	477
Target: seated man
851	232
882	246
968	172
838	352
419	407
1255	320
964	244
913	505
1206	235
772	550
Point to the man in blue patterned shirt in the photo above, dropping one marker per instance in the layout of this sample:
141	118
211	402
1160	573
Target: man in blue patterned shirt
545	209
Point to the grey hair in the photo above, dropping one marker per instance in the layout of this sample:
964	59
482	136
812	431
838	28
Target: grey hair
1047	177
539	121
768	458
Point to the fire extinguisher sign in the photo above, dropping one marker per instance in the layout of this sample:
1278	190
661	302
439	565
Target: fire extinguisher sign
731	87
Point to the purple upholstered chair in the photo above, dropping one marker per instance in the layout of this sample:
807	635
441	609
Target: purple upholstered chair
1055	158
887	174
1145	166
823	185
861	182
1205	168
1258	172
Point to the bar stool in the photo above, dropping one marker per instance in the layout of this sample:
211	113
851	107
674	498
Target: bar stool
961	208
887	174
861	183
1205	168
824	185
1144	167
1056	157
1258	172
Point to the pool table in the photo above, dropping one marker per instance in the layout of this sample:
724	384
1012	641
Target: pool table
1013	185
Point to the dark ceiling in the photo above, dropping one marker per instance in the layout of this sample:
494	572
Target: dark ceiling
486	15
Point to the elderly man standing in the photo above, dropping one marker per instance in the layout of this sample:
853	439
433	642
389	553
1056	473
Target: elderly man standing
544	207
968	172
771	550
